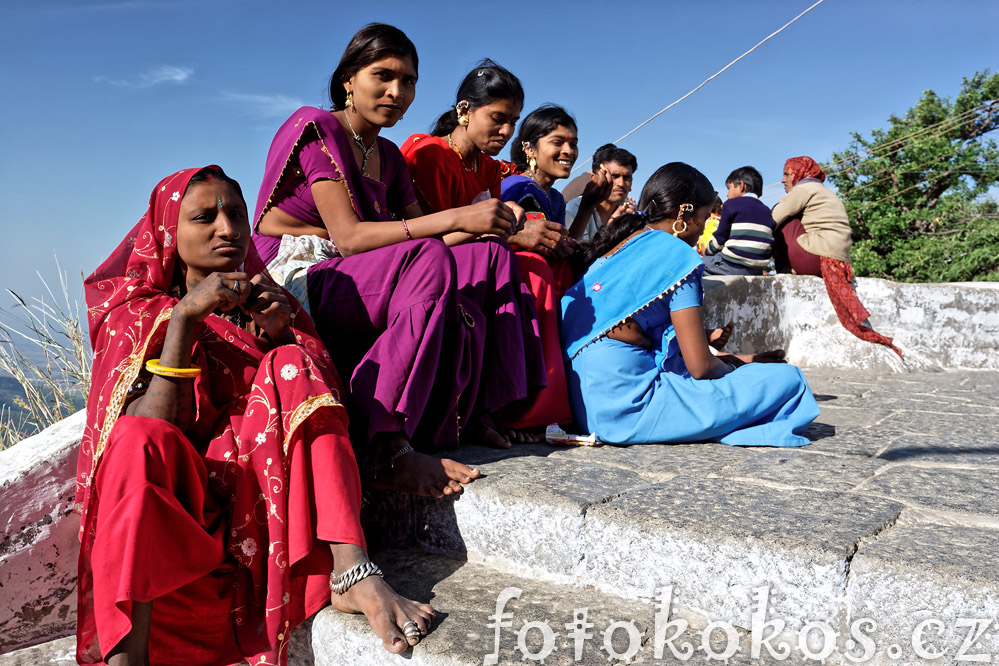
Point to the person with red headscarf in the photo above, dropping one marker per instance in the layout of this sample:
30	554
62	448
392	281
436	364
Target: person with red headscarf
813	237
218	491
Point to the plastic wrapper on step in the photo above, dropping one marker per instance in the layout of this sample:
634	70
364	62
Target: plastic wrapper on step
555	435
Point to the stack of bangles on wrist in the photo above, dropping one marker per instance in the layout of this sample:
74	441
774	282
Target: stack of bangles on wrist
153	366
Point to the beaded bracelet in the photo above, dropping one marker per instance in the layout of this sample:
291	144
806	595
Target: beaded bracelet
153	366
405	227
358	572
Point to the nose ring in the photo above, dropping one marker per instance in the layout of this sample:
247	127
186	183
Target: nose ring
237	235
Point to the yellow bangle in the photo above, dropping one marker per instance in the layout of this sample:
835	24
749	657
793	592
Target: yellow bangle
153	366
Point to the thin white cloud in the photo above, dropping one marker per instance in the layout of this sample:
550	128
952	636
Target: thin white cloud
157	75
166	74
265	106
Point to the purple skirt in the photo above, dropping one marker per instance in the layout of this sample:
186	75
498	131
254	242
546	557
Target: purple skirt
506	347
430	337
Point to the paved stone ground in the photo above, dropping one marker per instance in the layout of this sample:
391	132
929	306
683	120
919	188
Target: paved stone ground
890	516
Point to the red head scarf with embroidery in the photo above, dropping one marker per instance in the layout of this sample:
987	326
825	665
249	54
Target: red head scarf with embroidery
803	167
129	301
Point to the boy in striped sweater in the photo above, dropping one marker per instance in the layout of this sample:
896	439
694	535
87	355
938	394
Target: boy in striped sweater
743	242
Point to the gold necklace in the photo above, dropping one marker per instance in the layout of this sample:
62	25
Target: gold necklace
461	158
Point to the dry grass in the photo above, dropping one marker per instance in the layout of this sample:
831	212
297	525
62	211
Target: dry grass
56	378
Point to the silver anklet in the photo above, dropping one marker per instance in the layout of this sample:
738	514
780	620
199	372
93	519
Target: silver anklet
343	582
390	463
398	454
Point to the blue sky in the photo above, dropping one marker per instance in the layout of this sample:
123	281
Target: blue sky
102	98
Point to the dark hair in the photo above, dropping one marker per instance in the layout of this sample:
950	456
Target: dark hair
748	175
371	43
611	153
537	124
670	186
717	205
214	173
483	85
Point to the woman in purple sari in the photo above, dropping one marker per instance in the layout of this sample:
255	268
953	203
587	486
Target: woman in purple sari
338	224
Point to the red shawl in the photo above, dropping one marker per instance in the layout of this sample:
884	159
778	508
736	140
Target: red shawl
129	301
803	167
442	181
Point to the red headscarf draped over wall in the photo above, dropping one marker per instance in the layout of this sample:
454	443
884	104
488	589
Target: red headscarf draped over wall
803	167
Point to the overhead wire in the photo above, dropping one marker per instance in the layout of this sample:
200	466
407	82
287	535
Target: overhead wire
901	143
895	194
707	80
913	169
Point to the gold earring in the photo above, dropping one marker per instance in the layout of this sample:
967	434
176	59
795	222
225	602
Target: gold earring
532	161
461	108
684	208
463	120
350	102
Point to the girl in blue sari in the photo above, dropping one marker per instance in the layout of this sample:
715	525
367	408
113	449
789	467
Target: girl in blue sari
639	367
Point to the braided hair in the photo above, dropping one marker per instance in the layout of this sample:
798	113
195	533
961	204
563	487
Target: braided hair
666	190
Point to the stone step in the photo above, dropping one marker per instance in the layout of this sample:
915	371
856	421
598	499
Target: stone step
465	596
891	516
849	528
61	652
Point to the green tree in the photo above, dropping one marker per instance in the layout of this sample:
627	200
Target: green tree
916	191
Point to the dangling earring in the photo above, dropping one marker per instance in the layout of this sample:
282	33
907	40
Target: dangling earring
532	161
684	208
463	120
350	101
461	108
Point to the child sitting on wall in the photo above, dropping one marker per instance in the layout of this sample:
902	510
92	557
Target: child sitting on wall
743	242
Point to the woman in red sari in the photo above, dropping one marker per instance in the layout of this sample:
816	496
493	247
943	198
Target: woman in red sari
454	166
216	481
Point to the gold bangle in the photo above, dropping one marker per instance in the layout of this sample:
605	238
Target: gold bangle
153	366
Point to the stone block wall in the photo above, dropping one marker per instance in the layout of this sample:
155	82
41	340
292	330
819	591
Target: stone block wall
40	547
937	326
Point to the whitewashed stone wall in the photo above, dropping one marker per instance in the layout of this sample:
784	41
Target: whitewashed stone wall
937	326
40	547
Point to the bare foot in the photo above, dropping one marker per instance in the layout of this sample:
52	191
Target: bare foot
525	435
481	432
387	612
772	356
416	473
719	336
